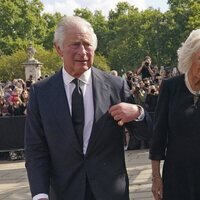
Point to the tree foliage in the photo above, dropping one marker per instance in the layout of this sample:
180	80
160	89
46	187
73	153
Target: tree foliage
51	22
20	23
124	38
11	66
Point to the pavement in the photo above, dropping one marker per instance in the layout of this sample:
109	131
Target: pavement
14	183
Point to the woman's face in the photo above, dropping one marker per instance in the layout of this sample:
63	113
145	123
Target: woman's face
195	67
25	94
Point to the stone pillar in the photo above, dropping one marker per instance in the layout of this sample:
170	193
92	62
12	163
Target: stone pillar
32	66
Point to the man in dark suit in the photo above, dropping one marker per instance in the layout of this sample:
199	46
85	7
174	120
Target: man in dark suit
91	166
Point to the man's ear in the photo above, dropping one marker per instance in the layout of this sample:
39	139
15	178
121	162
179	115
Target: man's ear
59	50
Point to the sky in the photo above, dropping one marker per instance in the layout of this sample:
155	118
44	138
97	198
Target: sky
68	6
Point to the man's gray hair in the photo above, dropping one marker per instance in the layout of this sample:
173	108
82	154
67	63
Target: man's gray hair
66	23
187	50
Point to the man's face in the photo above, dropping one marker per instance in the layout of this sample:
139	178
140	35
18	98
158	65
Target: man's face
77	50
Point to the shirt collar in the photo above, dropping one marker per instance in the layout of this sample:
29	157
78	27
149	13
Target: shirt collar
85	77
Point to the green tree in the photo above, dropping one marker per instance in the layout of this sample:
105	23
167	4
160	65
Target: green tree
21	21
176	3
183	17
100	62
50	59
100	25
84	13
51	21
11	65
124	38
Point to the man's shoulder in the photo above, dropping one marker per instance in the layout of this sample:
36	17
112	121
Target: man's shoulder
107	77
48	81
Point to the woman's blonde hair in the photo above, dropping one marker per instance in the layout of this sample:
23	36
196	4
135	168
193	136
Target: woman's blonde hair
187	50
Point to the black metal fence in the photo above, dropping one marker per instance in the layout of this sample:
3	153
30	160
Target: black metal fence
12	133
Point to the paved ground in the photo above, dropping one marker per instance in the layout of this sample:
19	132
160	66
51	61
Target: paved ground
14	185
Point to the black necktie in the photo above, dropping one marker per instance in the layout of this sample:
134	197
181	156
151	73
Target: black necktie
78	111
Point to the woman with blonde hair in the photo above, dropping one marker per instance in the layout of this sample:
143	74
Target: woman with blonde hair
176	137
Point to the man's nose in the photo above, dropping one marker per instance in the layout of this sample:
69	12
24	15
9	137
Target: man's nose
82	49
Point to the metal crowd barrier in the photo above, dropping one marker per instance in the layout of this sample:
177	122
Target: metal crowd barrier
12	133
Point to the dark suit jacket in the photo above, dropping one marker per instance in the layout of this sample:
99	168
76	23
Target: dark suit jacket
53	154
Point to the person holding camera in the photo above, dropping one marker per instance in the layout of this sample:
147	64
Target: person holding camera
129	76
151	99
146	69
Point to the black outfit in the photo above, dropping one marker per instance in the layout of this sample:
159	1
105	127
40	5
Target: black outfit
15	111
129	83
29	83
145	72
151	102
176	139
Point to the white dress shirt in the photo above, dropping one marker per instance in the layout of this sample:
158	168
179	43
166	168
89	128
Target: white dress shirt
86	87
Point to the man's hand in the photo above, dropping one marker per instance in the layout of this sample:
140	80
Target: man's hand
124	112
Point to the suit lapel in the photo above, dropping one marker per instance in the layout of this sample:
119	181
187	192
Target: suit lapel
61	111
101	99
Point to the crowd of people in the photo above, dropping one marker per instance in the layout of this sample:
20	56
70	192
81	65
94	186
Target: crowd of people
144	83
14	97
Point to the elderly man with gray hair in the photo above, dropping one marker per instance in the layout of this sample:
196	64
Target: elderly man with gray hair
75	121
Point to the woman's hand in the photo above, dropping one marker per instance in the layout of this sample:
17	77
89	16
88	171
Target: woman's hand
157	184
157	187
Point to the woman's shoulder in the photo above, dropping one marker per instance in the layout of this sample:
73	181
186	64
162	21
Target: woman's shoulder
175	78
170	86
